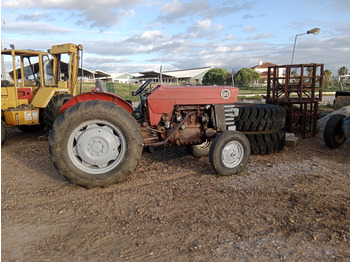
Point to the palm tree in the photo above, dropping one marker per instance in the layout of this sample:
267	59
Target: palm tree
343	71
326	77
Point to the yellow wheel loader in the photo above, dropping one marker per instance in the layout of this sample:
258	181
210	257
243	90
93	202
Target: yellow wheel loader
40	84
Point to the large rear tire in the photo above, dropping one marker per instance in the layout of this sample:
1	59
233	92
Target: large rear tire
229	153
333	133
266	143
95	144
52	110
263	125
260	117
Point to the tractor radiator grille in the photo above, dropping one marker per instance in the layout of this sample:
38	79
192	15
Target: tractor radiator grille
230	113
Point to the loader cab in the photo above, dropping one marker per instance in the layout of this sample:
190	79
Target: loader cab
25	79
35	78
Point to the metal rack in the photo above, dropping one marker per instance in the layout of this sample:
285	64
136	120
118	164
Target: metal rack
299	89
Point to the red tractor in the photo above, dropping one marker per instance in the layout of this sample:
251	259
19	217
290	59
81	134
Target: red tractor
98	138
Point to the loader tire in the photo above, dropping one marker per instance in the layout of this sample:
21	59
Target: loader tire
95	144
3	132
31	128
266	143
333	133
260	117
52	110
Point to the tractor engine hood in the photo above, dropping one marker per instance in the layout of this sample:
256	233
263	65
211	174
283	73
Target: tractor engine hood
163	99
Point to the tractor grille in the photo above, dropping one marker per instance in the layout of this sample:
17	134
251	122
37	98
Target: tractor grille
230	113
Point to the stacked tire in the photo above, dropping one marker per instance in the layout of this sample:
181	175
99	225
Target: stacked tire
263	125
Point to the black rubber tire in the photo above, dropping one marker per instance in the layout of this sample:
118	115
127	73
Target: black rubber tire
51	111
216	153
3	132
268	143
260	117
5	83
342	93
75	123
31	128
333	133
201	150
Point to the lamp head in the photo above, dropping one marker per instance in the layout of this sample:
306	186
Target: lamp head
314	31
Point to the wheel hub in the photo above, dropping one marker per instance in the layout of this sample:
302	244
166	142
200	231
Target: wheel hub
232	154
97	146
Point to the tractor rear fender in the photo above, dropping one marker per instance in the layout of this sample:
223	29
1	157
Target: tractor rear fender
110	97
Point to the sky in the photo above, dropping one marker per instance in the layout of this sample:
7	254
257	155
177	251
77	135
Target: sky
141	35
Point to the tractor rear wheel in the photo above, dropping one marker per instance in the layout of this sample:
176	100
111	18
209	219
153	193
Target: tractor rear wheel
229	153
95	144
52	110
333	133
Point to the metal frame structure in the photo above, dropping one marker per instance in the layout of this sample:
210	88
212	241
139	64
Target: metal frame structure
299	89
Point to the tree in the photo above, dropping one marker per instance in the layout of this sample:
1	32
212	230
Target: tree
247	76
215	76
343	71
326	77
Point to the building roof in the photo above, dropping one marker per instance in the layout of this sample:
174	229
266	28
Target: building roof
63	66
186	73
263	65
99	74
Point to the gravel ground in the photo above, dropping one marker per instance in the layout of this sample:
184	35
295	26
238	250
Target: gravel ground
292	206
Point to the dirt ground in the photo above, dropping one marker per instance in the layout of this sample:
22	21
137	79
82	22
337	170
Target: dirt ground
292	206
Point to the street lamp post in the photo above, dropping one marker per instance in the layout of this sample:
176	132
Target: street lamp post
314	31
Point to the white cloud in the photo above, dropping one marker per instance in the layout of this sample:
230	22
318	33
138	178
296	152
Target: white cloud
177	9
102	14
199	29
36	27
228	37
204	29
223	49
259	36
238	48
247	16
146	37
249	29
36	16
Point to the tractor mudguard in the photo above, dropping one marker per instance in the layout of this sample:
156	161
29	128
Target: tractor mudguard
110	97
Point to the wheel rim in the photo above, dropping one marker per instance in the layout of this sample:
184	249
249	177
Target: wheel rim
96	147
339	137
204	146
232	154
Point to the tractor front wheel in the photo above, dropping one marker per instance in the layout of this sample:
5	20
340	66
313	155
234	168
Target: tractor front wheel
229	153
95	144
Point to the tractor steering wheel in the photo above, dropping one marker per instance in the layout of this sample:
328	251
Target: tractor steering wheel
143	87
